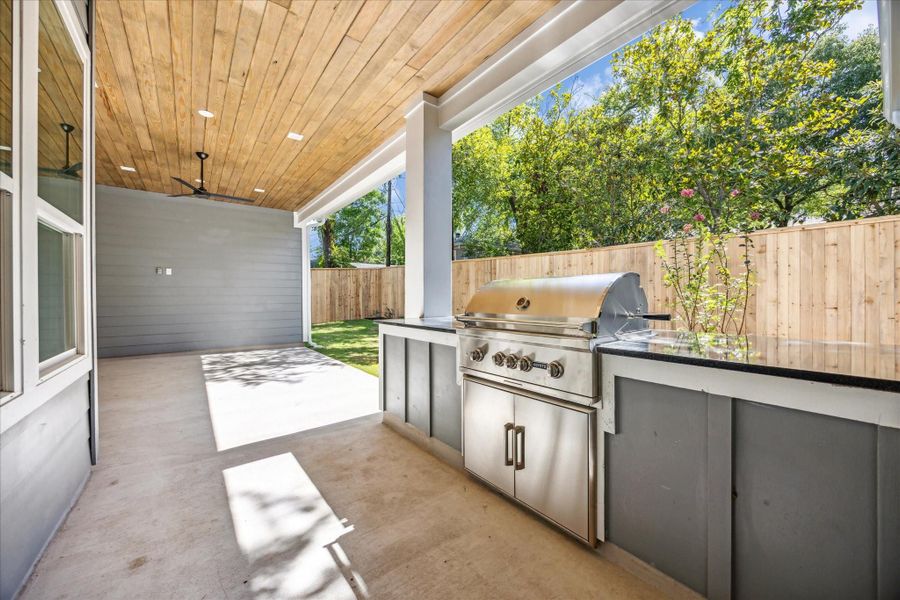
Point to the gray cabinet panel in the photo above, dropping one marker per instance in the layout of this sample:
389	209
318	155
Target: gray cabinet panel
804	508
395	375
888	513
418	385
446	400
656	478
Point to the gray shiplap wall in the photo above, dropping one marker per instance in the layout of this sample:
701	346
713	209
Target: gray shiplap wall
44	463
235	281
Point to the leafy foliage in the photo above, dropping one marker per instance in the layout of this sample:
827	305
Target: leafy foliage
356	234
770	118
710	293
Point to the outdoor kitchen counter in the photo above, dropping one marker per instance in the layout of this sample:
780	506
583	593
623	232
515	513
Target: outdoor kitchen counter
419	387
852	364
448	324
760	469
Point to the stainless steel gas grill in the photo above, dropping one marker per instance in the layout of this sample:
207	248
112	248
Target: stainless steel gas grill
530	380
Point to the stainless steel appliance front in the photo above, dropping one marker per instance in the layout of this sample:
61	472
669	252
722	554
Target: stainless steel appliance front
550	365
530	381
534	449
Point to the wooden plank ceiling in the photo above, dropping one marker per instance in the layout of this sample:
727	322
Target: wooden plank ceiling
341	73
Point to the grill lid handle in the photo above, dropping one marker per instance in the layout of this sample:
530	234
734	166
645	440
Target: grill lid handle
657	317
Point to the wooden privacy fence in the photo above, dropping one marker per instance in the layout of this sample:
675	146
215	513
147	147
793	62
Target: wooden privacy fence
835	281
343	294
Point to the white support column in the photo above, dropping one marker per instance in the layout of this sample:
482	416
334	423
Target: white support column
305	285
429	221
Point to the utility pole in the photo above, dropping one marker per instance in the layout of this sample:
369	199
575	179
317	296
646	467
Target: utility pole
327	242
388	228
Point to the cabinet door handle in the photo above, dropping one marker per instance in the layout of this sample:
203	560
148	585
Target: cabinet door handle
507	455
520	447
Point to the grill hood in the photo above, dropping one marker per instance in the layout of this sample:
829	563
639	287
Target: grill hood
598	305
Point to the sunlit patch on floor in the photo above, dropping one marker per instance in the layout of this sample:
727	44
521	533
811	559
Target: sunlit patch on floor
257	395
289	533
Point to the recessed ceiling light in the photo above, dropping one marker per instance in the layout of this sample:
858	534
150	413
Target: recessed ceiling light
295	136
205	113
259	190
129	169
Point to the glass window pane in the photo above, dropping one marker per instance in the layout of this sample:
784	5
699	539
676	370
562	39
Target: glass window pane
6	314
56	298
60	115
6	61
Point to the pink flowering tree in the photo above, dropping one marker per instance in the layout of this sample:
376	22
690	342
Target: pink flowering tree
710	292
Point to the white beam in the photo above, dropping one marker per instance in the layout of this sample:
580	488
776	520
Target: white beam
305	284
384	163
567	38
429	218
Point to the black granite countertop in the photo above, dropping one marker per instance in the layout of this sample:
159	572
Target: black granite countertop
447	324
843	363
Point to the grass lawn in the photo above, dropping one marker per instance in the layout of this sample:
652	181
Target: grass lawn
352	342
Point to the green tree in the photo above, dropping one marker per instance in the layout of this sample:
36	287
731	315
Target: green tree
743	111
398	241
769	118
482	211
355	233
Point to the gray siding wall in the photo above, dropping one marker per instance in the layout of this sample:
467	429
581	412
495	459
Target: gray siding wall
235	281
44	462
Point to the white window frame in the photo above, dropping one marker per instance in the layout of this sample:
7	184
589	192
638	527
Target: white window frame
52	217
11	384
55	218
39	381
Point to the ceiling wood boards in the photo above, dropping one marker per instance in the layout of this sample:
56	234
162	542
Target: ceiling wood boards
339	73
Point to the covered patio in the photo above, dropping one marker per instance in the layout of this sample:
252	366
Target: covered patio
169	430
268	474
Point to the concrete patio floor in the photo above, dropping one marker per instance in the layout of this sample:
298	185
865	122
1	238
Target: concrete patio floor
268	474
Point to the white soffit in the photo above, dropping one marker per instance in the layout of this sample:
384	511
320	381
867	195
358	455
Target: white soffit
569	37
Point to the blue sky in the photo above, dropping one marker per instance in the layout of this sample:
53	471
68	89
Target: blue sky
594	78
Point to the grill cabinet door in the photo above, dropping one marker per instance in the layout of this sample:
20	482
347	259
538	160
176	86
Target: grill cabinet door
553	472
487	434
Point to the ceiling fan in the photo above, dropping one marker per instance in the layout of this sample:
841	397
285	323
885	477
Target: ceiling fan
202	192
67	170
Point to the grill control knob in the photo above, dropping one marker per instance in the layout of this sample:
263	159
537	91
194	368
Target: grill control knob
555	369
499	359
512	361
525	364
477	355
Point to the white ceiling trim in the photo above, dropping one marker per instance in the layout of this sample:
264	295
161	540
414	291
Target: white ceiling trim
569	37
384	163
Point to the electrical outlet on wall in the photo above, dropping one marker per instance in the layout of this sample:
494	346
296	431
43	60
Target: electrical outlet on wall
168	270
159	270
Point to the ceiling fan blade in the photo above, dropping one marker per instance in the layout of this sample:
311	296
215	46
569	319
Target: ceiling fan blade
73	169
58	173
183	182
182	195
238	198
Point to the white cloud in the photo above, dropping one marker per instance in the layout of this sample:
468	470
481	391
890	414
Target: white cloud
859	20
586	91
